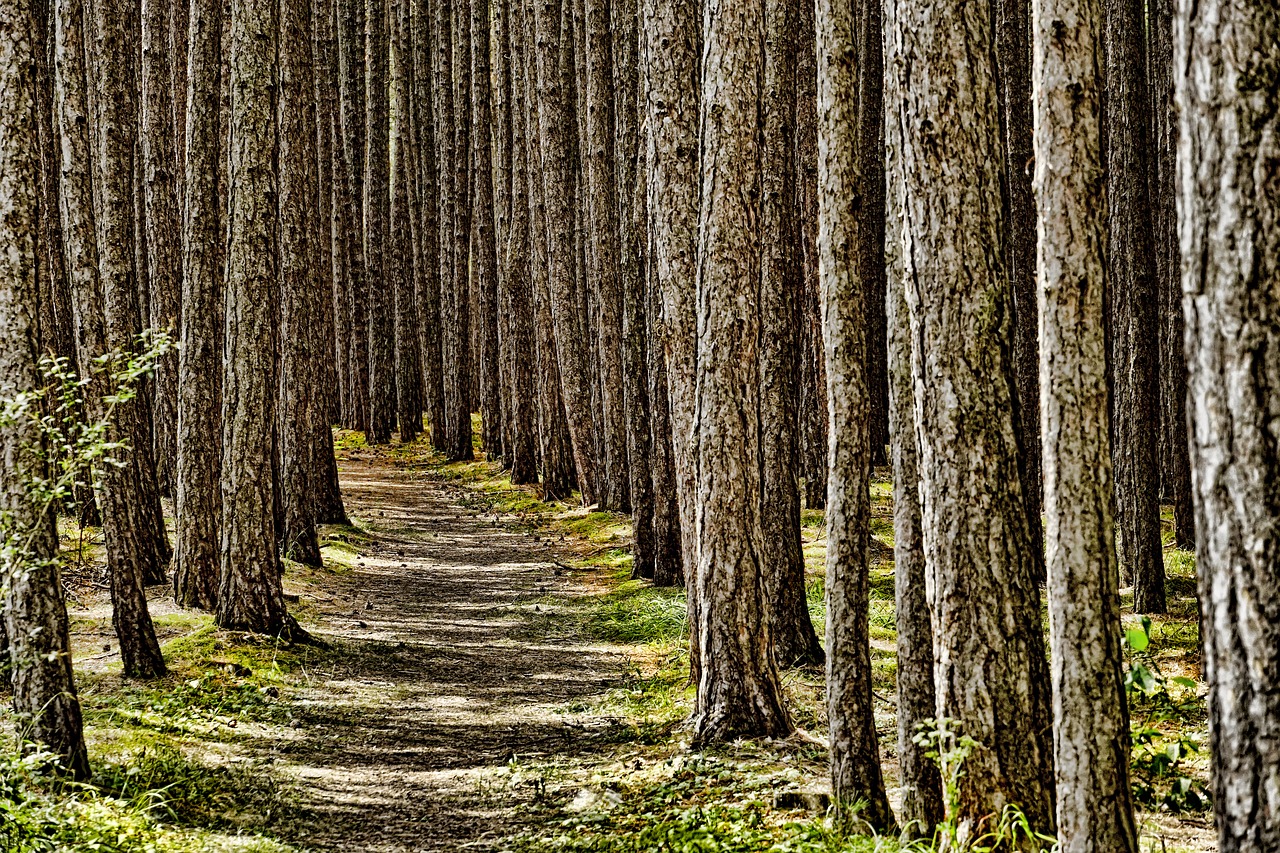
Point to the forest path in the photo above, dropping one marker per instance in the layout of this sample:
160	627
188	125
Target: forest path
405	744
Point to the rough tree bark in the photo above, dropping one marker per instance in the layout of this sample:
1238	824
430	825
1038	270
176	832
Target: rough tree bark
870	119
516	285
429	207
484	238
198	500
739	693
922	804
672	49
34	613
795	642
300	287
1227	88
377	206
1174	457
555	447
1013	58
401	260
250	597
1134	330
107	313
977	543
1091	720
855	753
163	225
442	42
555	125
457	321
352	118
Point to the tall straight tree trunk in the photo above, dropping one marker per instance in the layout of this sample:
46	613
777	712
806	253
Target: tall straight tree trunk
516	284
978	549
813	375
442	433
1013	58
301	415
430	207
1229	214
1174	458
555	126
555	448
163	225
179	31
377	207
332	197
633	293
602	208
855	752
110	298
794	640
922	804
408	357
33	611
458	320
1091	720
198	499
739	693
672	48
483	235
870	118
250	597
351	48
1134	322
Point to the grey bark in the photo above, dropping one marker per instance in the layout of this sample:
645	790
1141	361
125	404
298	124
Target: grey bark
795	642
107	308
555	127
198	501
484	237
376	211
351	70
250	597
738	693
34	613
401	257
458	355
855	753
978	550
1134	321
1091	720
301	291
163	224
1227	89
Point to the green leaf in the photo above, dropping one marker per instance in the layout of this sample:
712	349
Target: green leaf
1137	639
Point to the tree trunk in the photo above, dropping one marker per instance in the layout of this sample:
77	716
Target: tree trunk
1091	720
516	284
977	542
484	239
855	752
401	258
332	174
457	325
795	643
430	208
922	804
668	546
377	204
107	309
300	289
198	501
813	374
601	206
33	612
1134	321
555	447
163	225
632	290
672	50
249	595
1229	211
352	87
1174	459
1013	57
555	125
739	694
870	117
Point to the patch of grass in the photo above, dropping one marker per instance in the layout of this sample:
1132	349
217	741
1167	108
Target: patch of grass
636	613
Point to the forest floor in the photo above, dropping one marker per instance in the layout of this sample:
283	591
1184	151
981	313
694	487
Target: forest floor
490	679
